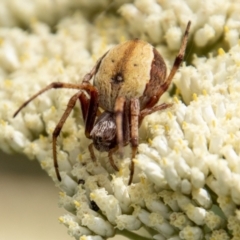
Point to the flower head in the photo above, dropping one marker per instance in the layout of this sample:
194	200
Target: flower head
186	183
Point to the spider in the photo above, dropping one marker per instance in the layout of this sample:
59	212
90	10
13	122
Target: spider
128	81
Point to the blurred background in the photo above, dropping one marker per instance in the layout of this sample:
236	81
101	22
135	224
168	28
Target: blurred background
29	202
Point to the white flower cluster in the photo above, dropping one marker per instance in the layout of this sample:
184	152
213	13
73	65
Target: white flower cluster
159	21
194	153
186	182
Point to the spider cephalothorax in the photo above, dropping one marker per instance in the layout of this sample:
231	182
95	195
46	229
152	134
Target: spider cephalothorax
128	81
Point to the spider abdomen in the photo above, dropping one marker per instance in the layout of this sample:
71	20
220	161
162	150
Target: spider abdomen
126	71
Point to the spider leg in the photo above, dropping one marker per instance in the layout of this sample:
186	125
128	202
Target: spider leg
90	115
148	111
177	62
119	113
89	118
84	103
85	86
58	129
110	153
122	125
158	86
134	118
91	151
89	111
126	126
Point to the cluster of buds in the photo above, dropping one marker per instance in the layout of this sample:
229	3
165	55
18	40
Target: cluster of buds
186	183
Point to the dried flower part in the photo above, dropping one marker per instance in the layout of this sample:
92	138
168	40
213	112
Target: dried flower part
186	184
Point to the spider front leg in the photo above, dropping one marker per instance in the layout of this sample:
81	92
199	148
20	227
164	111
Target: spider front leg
89	110
120	108
177	62
89	116
85	86
58	129
127	128
151	110
84	103
110	157
134	118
